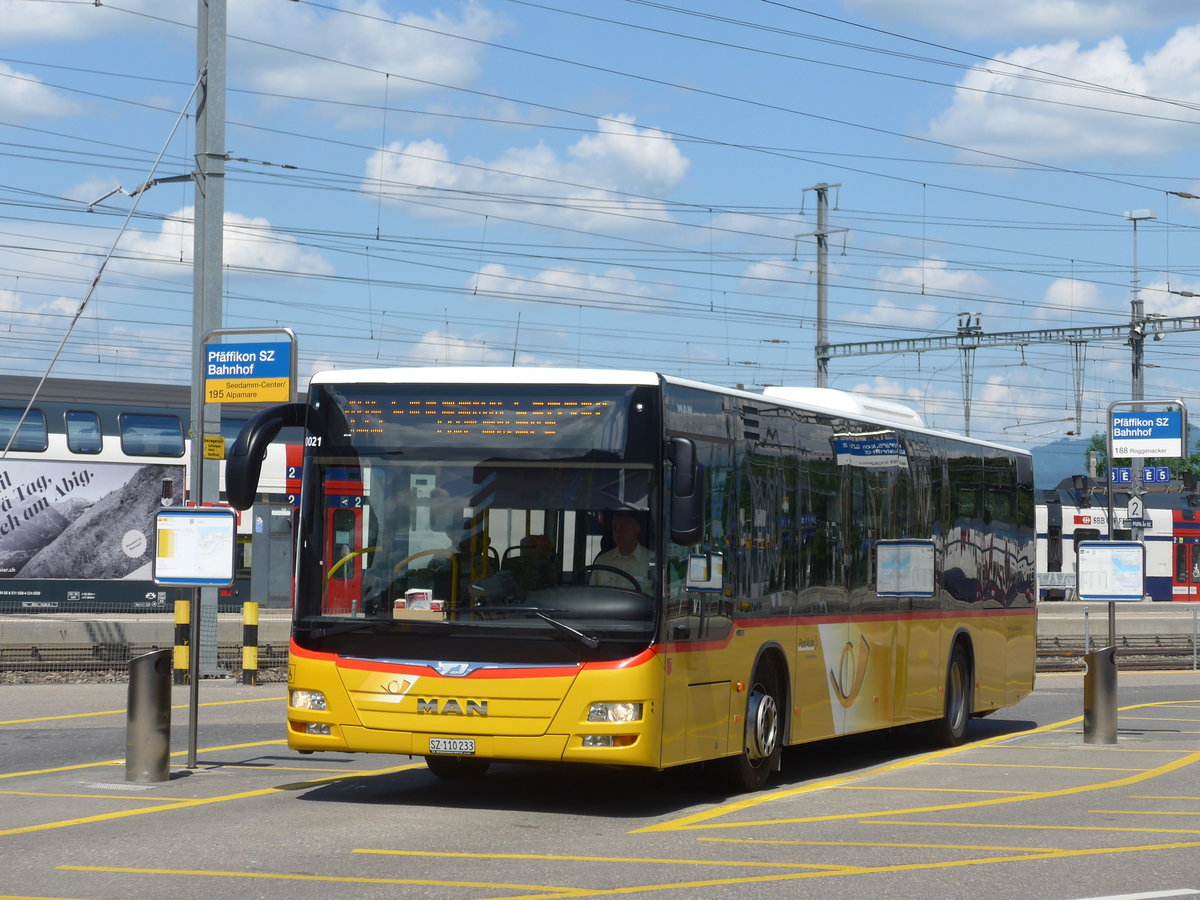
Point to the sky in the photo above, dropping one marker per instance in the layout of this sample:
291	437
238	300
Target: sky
619	183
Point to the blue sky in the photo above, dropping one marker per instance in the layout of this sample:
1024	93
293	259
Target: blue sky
618	183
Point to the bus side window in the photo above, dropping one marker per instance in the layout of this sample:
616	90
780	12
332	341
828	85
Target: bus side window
146	434
31	438
83	432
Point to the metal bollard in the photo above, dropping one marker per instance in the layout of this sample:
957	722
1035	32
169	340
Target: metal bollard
148	720
1100	697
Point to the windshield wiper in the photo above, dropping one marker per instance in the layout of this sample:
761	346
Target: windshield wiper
345	627
586	639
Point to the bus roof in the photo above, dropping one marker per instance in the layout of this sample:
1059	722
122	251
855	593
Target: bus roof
826	400
485	375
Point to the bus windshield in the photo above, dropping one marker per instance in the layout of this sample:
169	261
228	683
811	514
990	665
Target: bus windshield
443	512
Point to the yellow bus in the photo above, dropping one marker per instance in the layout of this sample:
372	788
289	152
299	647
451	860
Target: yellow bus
627	568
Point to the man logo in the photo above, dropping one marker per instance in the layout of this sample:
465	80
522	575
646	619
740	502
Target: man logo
451	707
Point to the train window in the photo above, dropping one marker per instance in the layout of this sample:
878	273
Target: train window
31	438
83	432
146	434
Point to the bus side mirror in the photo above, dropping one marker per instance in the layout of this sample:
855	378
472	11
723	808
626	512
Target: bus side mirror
687	494
244	464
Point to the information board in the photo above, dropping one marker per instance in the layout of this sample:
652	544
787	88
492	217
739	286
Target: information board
905	568
1111	571
194	546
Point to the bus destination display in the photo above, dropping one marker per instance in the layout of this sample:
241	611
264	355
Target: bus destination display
484	420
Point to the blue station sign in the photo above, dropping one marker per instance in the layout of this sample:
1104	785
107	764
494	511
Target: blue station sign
1144	434
248	372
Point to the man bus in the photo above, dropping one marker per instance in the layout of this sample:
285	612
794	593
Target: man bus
818	564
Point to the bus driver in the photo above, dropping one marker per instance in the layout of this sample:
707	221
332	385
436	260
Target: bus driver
628	555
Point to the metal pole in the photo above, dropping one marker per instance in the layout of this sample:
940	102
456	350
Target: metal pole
1193	638
207	266
822	284
1087	635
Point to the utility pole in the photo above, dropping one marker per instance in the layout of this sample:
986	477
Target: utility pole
967	345
207	290
822	235
1137	333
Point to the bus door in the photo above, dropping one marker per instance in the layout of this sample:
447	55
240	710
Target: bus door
1185	581
345	540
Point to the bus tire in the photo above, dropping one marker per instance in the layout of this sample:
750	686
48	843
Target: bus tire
457	768
951	729
762	738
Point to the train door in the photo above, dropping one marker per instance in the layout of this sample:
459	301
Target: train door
1185	581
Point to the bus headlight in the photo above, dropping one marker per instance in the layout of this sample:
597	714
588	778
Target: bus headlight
615	712
307	700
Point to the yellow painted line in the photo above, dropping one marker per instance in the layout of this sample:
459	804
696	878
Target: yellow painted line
695	819
996	765
141	798
171	806
897	844
1088	748
121	712
621	860
692	886
962	825
1142	812
121	762
1159	797
330	879
929	790
704	820
1155	719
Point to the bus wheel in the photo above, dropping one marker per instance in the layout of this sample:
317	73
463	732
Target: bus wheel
457	767
951	729
762	739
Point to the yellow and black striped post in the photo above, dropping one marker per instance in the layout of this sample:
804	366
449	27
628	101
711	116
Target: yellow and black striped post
183	640
249	642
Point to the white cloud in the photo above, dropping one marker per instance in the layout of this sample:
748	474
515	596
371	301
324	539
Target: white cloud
934	276
779	276
886	312
1066	298
26	22
419	50
24	97
579	190
248	243
1032	18
990	113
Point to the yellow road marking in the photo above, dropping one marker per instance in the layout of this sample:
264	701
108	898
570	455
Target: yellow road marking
967	765
140	798
169	805
930	790
602	859
121	712
121	762
962	825
1143	812
898	844
704	820
332	879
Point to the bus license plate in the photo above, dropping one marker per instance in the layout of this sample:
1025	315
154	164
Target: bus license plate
452	746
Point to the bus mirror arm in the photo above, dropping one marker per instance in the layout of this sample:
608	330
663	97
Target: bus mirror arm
687	496
244	464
